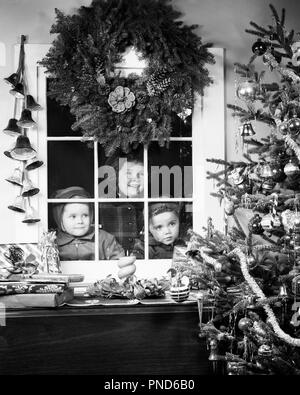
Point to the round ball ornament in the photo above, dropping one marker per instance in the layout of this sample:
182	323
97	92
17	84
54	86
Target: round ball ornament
283	128
291	169
247	90
229	207
259	47
254	225
245	323
294	126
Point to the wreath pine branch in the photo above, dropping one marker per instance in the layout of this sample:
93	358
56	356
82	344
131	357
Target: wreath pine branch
119	112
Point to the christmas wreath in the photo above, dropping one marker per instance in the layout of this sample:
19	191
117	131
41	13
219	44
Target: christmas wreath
116	111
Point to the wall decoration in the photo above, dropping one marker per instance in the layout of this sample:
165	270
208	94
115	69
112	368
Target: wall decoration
21	150
121	112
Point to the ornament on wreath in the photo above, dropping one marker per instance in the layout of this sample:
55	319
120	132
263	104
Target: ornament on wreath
254	225
291	168
158	82
121	99
259	47
247	90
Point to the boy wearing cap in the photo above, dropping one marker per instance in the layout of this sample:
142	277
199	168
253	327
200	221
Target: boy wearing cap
164	229
76	234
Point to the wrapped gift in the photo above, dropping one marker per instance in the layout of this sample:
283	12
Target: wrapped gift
49	253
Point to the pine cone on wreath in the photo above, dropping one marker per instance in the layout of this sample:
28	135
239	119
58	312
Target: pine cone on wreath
158	82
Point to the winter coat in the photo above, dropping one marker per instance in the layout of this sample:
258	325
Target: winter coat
83	248
157	250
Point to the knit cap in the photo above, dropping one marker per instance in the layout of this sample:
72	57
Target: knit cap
69	193
158	208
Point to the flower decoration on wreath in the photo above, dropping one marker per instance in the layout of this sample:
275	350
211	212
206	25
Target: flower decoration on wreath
113	109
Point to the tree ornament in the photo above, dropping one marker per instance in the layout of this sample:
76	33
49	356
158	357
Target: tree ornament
246	201
254	225
245	324
268	185
267	222
265	351
259	47
185	113
246	130
294	126
277	172
295	47
283	128
247	90
229	207
266	171
296	285
235	177
290	169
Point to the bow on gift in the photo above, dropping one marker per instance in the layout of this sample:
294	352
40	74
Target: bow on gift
17	263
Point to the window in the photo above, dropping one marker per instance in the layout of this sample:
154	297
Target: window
125	191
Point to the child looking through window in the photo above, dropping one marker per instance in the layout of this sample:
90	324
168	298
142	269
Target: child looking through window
164	228
76	233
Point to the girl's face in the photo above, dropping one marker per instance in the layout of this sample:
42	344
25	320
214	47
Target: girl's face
164	227
131	179
76	219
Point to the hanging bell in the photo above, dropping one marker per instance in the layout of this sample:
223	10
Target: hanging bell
26	120
266	171
18	91
29	189
18	204
33	163
31	215
17	177
22	149
31	104
246	130
12	129
12	80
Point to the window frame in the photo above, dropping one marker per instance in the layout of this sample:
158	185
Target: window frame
207	108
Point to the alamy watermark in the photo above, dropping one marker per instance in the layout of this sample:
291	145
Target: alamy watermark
129	180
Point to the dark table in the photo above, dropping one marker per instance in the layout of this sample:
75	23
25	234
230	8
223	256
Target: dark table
127	340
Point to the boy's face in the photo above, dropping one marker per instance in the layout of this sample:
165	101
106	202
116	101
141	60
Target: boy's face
76	219
131	179
164	227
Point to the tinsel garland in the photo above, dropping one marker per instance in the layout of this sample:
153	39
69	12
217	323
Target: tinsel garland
259	293
271	61
293	145
117	111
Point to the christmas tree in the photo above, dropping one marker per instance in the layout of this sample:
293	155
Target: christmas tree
252	270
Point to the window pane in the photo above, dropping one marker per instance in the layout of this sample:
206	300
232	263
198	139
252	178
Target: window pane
125	222
181	126
121	175
70	163
74	227
170	170
168	225
59	119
